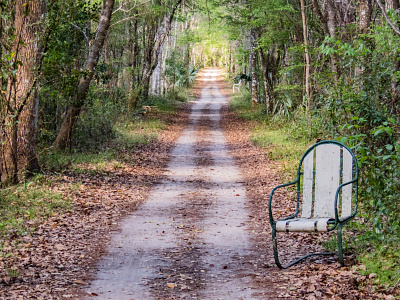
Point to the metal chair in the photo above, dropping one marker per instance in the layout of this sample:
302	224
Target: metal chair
327	188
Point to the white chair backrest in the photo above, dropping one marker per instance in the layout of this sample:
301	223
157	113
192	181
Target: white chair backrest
324	169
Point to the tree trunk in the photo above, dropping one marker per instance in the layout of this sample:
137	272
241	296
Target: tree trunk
392	4
156	77
331	24
254	79
155	48
83	87
244	65
321	17
264	68
328	23
306	54
364	12
395	83
164	65
18	140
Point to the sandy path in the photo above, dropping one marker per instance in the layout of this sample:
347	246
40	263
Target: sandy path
190	239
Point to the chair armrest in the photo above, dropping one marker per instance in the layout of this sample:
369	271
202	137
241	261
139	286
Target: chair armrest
344	220
271	218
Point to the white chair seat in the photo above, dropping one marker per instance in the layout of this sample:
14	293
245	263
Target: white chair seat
303	224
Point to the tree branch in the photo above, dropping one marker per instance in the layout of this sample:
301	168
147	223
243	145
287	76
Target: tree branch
84	33
391	24
126	19
128	10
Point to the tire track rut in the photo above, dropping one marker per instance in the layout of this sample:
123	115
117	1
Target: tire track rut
190	239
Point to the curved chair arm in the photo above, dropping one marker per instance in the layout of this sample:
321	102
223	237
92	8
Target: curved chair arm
271	218
344	220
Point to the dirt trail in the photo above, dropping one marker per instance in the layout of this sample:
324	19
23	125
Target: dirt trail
190	240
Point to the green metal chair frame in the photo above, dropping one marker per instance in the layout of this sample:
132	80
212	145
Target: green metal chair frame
333	221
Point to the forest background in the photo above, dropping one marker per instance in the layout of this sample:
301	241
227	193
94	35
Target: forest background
77	74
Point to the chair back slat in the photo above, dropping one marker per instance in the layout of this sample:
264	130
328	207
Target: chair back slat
327	179
347	170
308	183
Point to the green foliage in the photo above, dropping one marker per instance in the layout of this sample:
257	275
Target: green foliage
303	125
280	138
359	107
95	125
383	261
241	102
29	203
177	73
379	158
128	134
357	110
68	24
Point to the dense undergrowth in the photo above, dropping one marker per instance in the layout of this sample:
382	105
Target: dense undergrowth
374	235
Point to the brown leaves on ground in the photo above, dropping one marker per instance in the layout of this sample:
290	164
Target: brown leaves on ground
320	278
56	259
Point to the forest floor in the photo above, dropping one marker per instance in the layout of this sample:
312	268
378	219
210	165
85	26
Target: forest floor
183	218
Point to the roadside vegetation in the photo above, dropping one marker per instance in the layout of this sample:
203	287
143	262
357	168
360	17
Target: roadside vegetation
285	139
99	144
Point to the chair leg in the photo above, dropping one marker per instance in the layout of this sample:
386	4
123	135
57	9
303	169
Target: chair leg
276	256
340	244
275	245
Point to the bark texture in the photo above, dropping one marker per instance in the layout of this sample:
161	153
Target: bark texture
19	114
321	17
364	11
154	49
264	68
335	18
392	4
254	80
306	54
83	87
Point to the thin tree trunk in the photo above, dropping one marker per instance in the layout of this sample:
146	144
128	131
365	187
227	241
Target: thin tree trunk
164	65
392	4
254	79
244	65
155	49
321	17
328	24
364	12
331	24
388	20
395	83
264	68
133	93
67	126
306	54
18	140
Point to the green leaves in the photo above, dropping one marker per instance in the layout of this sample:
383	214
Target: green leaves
383	129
